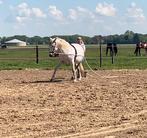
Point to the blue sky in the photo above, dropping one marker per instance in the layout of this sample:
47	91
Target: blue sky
68	17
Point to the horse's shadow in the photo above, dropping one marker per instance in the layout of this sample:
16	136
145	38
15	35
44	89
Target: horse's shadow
56	80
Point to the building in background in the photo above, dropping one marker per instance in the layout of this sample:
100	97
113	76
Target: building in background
15	42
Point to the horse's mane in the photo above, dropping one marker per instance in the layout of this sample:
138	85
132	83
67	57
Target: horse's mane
62	41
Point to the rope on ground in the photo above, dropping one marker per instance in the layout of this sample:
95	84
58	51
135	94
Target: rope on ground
94	72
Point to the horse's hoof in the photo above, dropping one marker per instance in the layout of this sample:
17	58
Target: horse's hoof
74	80
51	80
79	79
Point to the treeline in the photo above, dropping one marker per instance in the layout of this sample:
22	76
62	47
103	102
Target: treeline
129	37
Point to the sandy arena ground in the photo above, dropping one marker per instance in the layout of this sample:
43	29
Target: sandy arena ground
111	104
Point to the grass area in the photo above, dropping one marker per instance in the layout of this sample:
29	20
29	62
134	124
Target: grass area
21	58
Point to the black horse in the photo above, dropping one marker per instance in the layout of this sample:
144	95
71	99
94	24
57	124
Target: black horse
113	49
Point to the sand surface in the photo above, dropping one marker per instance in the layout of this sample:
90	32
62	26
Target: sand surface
107	104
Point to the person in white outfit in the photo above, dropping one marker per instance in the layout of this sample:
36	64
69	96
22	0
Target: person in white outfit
80	42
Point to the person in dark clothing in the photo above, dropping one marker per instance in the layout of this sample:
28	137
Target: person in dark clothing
109	47
113	49
137	51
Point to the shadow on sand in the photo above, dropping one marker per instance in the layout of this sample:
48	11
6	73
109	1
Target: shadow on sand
45	81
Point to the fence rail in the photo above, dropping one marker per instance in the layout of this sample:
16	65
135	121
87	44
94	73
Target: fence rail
125	57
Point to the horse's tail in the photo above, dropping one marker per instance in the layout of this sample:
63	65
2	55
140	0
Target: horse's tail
83	72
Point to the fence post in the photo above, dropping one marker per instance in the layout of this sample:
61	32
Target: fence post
112	54
100	43
37	54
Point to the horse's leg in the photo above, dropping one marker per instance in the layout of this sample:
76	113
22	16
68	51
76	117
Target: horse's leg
74	71
139	50
116	50
135	52
79	76
78	73
55	70
111	51
83	72
107	51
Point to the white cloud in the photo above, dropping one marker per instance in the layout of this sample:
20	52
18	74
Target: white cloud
135	13
23	6
80	13
24	12
38	13
73	14
20	19
81	9
105	9
55	13
86	12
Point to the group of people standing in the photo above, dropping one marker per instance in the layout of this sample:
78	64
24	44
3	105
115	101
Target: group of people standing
112	47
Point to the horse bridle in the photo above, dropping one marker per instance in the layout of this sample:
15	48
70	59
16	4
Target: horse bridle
53	53
54	41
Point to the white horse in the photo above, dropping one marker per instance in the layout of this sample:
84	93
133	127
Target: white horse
72	54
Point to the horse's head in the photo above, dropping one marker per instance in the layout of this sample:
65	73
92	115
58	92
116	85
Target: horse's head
53	47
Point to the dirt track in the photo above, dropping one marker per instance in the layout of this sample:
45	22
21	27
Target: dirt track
113	104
